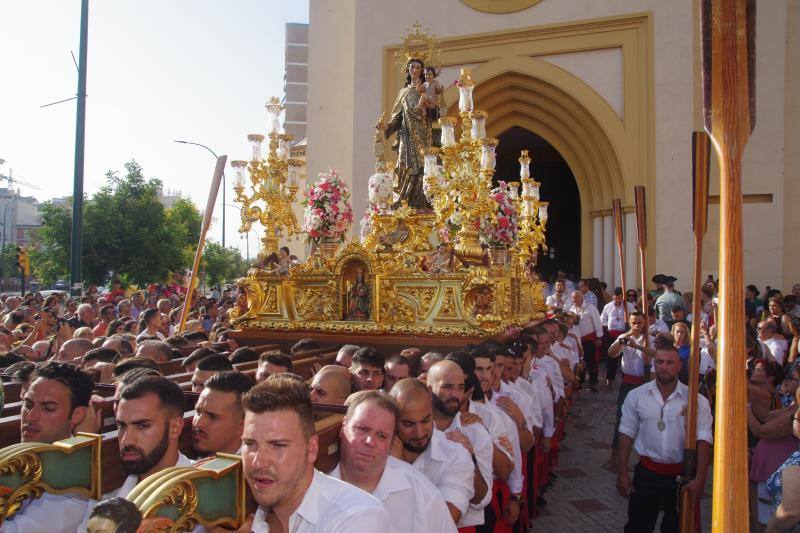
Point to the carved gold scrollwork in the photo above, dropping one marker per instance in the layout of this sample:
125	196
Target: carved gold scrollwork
255	298
271	299
28	467
448	309
393	307
423	298
316	302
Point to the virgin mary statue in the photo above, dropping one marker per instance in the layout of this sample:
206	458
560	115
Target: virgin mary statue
413	128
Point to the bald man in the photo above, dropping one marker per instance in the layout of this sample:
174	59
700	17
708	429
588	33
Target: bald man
446	381
445	463
331	385
72	349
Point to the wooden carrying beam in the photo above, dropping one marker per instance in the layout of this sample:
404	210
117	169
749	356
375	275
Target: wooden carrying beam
728	53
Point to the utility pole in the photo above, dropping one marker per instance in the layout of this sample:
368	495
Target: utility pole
76	254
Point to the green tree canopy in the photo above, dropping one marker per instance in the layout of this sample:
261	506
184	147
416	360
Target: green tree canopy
222	264
127	232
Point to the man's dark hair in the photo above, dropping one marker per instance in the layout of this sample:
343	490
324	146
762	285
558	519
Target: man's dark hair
169	393
104	355
617	291
282	392
78	382
304	345
368	355
230	381
22	370
105	309
195	336
135	373
399	360
243	355
176	341
126	516
463	360
200	353
215	363
664	341
277	359
134	362
477	351
9	358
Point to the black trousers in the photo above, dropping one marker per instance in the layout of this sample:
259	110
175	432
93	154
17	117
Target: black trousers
591	362
624	389
652	493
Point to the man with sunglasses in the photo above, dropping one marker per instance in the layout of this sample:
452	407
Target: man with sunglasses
107	314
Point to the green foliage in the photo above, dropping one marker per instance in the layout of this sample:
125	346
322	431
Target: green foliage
127	232
222	264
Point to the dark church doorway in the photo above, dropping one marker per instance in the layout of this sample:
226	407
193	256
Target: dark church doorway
558	187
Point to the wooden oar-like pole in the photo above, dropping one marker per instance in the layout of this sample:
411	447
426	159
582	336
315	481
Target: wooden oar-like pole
212	199
728	29
700	167
641	241
616	206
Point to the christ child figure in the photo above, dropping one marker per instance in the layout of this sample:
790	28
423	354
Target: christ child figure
431	94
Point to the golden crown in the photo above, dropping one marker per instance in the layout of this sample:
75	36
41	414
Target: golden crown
417	45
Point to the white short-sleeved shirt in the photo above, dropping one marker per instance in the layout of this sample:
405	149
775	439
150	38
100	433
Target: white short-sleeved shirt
632	363
51	513
778	348
644	408
529	390
566	350
412	502
332	506
523	401
499	424
483	450
554	372
613	315
449	467
558	302
538	376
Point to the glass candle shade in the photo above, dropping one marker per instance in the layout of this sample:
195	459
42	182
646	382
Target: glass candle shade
274	109
543	212
524	167
488	160
448	131
239	169
535	189
283	147
479	125
465	97
527	208
513	190
255	145
429	158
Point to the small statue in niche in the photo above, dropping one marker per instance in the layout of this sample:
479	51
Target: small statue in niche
440	261
483	302
357	300
115	515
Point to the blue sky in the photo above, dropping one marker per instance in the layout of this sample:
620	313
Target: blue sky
158	70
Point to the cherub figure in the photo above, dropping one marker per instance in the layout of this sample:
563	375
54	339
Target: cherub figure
439	262
432	92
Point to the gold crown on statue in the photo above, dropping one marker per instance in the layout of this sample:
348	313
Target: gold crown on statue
417	45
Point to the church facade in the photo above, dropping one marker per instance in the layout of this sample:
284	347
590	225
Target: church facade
604	94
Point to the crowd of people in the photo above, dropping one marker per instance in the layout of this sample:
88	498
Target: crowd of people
430	441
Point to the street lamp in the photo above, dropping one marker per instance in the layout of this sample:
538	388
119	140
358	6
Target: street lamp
223	183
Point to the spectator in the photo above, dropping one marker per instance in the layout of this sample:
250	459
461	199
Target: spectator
107	314
207	367
271	363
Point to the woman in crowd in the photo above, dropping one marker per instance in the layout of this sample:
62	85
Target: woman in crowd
777	313
149	325
680	332
784	484
114	327
769	422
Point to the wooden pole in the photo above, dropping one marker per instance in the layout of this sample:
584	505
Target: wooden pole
616	206
700	168
641	237
212	199
728	30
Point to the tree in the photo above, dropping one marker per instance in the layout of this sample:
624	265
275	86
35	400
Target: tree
222	264
127	233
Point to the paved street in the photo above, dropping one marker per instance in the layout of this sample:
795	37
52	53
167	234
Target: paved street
584	497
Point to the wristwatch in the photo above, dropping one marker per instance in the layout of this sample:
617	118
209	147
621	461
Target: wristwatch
516	498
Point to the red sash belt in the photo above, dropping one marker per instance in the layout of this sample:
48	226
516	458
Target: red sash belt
500	495
615	333
632	380
664	469
470	529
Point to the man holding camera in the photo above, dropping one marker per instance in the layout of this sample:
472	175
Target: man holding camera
636	349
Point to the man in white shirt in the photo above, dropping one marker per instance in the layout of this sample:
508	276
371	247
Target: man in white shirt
149	425
53	406
766	336
559	299
636	351
591	331
654	424
219	417
444	462
614	321
411	500
279	449
447	383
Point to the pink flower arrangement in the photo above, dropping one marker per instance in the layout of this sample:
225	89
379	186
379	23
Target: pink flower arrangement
504	231
327	213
